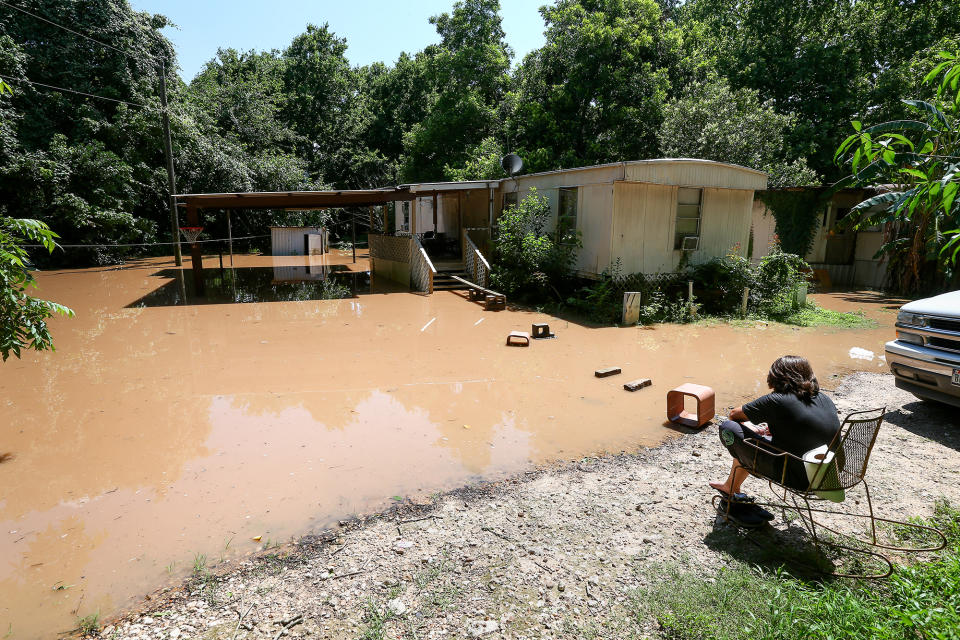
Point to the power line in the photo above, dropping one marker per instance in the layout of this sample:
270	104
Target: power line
81	93
139	244
76	33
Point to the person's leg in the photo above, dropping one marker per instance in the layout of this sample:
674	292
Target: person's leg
732	435
734	481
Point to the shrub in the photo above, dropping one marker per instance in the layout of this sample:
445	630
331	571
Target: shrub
718	289
527	260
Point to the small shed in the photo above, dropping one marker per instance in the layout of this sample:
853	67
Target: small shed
646	213
299	241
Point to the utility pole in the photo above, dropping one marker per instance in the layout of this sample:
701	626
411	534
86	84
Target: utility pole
171	177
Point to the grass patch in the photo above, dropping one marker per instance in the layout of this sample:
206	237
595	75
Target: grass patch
744	602
89	625
813	316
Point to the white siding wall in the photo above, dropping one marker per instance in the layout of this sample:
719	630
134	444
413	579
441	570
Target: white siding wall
642	229
595	224
724	223
288	241
695	173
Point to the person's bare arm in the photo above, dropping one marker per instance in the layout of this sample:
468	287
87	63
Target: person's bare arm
738	415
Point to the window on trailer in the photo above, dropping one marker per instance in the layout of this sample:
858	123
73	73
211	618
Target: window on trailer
688	215
509	199
567	215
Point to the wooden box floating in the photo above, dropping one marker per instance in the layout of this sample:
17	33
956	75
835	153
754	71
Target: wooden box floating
541	330
609	371
639	383
518	339
495	302
704	397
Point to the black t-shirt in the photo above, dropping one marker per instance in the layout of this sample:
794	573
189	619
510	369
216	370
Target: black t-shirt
796	426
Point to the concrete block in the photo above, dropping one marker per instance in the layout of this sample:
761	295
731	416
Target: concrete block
609	371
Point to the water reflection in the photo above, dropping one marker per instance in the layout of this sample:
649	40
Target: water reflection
280	283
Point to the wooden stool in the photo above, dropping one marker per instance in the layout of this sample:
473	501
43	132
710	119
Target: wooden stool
518	339
541	330
494	302
705	405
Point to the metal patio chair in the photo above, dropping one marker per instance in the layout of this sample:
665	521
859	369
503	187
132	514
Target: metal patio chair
851	449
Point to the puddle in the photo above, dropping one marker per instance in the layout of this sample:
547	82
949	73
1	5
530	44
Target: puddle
159	430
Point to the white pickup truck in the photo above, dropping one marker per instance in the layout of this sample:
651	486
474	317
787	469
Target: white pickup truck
925	357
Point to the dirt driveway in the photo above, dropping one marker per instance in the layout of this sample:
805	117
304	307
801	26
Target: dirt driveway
554	553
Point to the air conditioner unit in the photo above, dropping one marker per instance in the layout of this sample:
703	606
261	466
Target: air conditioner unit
690	243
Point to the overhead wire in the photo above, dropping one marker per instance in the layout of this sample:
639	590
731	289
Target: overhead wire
144	244
48	21
81	93
76	33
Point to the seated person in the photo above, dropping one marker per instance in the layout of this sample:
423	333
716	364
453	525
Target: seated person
799	418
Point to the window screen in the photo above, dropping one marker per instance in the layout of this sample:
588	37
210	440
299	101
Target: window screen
509	199
688	215
567	214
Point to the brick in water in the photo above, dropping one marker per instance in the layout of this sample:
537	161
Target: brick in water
636	385
609	371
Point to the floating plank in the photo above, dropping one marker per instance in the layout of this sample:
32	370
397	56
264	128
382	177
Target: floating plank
609	371
636	385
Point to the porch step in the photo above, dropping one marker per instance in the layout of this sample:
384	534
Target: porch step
443	282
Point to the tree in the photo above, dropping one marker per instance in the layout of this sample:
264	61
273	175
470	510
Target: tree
469	73
483	163
827	62
920	159
527	258
23	318
595	91
710	120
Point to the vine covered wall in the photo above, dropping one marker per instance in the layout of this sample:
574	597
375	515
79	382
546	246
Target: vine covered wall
796	214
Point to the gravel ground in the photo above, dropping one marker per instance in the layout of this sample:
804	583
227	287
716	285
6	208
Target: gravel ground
555	553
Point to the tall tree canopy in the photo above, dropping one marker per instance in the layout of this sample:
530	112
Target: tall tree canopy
771	84
595	91
468	71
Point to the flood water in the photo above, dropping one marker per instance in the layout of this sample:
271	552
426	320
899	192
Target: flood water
171	423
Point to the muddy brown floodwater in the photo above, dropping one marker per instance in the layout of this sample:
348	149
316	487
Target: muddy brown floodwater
168	425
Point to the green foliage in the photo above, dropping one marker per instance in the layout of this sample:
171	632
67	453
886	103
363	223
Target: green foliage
742	602
527	259
23	318
710	120
718	290
89	625
796	214
811	315
827	62
595	91
483	163
468	71
920	158
763	83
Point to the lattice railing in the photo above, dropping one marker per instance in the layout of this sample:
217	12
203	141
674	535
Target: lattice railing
421	268
395	248
476	266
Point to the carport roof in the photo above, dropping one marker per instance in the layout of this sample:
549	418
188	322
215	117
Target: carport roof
296	199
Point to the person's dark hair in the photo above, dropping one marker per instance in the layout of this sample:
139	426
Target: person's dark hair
793	374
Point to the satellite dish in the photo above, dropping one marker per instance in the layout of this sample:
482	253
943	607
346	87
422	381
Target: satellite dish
511	163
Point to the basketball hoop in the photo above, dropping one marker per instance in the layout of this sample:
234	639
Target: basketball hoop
190	234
